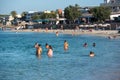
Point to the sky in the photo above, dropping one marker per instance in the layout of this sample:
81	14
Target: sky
6	6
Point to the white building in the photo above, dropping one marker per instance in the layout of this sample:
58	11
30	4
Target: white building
46	11
115	8
113	4
113	16
30	14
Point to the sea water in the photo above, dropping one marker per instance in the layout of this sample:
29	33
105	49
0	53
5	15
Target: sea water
19	62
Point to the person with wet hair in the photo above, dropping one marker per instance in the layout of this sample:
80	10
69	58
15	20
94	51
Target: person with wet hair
66	45
50	51
91	54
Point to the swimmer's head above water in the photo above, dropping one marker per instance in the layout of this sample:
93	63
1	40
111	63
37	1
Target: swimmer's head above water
91	54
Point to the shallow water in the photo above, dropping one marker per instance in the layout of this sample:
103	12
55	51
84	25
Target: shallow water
19	62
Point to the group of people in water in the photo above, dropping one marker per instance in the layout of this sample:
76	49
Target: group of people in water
50	49
91	54
85	45
39	50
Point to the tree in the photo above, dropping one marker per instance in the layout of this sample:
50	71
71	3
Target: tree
35	17
101	13
14	13
72	12
23	14
48	15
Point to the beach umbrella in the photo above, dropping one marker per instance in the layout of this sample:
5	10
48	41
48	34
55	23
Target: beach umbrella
99	24
91	25
81	26
86	25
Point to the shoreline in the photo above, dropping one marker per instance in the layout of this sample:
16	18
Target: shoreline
104	33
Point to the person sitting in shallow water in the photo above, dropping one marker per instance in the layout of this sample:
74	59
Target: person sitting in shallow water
91	54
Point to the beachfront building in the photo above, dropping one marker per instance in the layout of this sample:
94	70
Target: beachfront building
29	14
113	4
7	20
86	17
115	8
46	11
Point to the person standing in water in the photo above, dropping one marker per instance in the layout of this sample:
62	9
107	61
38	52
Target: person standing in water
57	33
39	50
50	51
66	45
36	46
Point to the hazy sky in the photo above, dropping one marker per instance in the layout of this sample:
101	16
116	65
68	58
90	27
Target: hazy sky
6	6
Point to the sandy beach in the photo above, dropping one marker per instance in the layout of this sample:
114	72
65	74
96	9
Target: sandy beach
104	33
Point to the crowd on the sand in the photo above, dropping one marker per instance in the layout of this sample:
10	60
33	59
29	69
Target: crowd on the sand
50	49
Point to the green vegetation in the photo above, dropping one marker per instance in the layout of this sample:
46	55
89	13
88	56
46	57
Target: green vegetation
48	15
13	13
101	13
23	14
72	12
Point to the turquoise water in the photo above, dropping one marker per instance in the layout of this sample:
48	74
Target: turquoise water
19	62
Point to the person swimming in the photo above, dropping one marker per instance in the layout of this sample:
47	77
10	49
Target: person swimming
85	45
50	51
66	45
94	44
91	54
46	46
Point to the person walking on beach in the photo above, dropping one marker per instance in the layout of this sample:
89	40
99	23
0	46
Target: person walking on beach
66	45
50	51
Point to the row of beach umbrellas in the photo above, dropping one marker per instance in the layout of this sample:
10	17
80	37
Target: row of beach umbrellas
93	25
